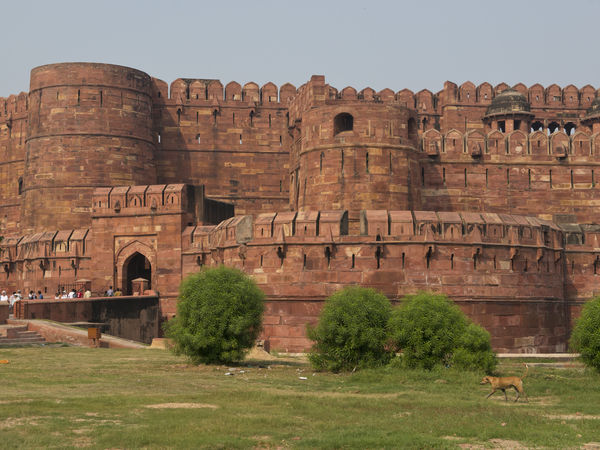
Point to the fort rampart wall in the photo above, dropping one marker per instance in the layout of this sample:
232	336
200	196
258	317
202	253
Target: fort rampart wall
399	191
486	262
13	133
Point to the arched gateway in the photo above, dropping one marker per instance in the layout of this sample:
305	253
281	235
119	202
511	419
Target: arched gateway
136	266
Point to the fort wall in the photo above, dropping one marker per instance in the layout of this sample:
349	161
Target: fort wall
487	194
13	133
504	271
511	172
235	140
232	139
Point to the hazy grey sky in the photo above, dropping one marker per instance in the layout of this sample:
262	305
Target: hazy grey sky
395	44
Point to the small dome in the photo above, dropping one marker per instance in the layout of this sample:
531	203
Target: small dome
508	102
593	111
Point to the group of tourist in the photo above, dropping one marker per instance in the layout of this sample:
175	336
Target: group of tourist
80	293
17	295
61	294
112	293
12	299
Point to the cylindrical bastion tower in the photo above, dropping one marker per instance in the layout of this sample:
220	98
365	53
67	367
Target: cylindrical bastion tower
355	154
90	125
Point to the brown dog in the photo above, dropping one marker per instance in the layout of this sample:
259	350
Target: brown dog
503	383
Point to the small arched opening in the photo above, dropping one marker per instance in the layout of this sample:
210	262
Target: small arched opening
20	187
412	129
570	128
136	266
552	127
342	122
537	125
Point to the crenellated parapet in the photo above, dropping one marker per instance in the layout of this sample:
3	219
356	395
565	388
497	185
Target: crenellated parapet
478	145
316	93
464	228
14	107
197	91
144	199
35	261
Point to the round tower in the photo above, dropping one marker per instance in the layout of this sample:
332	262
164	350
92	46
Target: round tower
90	125
356	155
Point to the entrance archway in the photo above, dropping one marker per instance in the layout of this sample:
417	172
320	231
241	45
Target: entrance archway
136	266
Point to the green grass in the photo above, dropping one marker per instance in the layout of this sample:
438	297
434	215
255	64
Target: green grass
99	398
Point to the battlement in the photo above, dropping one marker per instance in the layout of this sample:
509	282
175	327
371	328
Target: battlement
384	226
553	96
477	145
15	106
317	93
145	199
43	246
211	92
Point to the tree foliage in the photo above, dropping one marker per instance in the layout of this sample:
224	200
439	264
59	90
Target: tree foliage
219	316
351	332
585	338
430	330
474	350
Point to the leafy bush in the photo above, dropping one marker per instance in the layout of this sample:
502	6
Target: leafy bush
430	330
351	332
474	350
219	316
585	338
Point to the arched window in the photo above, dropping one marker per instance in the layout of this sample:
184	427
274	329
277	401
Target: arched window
552	127
412	129
570	128
342	122
537	125
20	186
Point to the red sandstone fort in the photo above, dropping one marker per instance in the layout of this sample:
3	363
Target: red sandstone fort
488	194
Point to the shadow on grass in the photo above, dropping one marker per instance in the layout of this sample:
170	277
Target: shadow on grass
260	363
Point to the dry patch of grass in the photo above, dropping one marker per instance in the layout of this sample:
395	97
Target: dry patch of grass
182	406
12	422
576	416
82	442
495	444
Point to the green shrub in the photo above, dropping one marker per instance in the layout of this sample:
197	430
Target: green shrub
474	350
585	338
430	330
351	332
219	316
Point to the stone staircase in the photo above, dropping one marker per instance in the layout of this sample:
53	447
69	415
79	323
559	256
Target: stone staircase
18	336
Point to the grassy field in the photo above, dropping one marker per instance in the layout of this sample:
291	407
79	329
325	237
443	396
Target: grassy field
101	398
